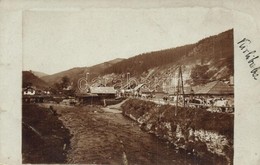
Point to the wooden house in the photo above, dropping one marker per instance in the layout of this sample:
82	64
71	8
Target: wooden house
104	92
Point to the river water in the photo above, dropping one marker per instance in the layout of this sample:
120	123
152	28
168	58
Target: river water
102	137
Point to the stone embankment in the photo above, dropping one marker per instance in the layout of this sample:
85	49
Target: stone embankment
204	134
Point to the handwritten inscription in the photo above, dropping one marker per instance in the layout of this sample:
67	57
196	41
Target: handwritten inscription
250	56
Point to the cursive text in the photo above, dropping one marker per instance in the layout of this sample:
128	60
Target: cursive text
250	56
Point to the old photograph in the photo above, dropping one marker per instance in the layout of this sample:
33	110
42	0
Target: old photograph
128	86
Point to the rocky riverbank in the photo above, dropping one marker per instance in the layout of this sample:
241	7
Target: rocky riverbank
44	137
204	134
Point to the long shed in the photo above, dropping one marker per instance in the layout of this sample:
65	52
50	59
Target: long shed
216	88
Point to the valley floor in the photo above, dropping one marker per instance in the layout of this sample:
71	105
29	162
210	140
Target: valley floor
104	137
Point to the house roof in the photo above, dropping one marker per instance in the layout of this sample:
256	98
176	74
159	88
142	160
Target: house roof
145	90
215	87
102	90
86	95
29	87
138	87
126	86
187	90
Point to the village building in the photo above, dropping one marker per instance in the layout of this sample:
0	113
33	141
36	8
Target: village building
104	92
215	94
87	98
142	90
33	95
29	91
159	94
215	88
96	95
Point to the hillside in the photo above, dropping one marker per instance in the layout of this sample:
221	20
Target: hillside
29	79
209	59
216	50
75	73
39	74
143	62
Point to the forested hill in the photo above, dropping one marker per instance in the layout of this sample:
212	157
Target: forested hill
140	63
29	79
211	50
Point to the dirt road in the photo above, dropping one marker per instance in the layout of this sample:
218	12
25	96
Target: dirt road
102	137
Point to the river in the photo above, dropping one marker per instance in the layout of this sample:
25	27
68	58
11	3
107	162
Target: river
104	137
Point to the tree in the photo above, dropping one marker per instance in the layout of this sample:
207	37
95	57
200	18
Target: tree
56	88
200	74
26	84
65	82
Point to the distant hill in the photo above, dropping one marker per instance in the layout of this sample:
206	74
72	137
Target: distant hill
29	79
75	73
39	74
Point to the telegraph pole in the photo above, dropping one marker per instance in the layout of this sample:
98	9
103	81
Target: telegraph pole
177	93
182	88
177	99
127	77
180	82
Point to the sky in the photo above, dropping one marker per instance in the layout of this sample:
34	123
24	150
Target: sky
59	40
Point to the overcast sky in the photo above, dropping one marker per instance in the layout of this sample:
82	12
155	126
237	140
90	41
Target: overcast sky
55	41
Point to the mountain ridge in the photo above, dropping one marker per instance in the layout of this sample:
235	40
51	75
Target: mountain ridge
214	54
39	74
77	72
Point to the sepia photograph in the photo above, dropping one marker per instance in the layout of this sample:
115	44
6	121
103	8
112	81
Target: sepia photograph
128	86
171	82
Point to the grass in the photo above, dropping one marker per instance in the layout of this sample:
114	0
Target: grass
222	123
43	136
